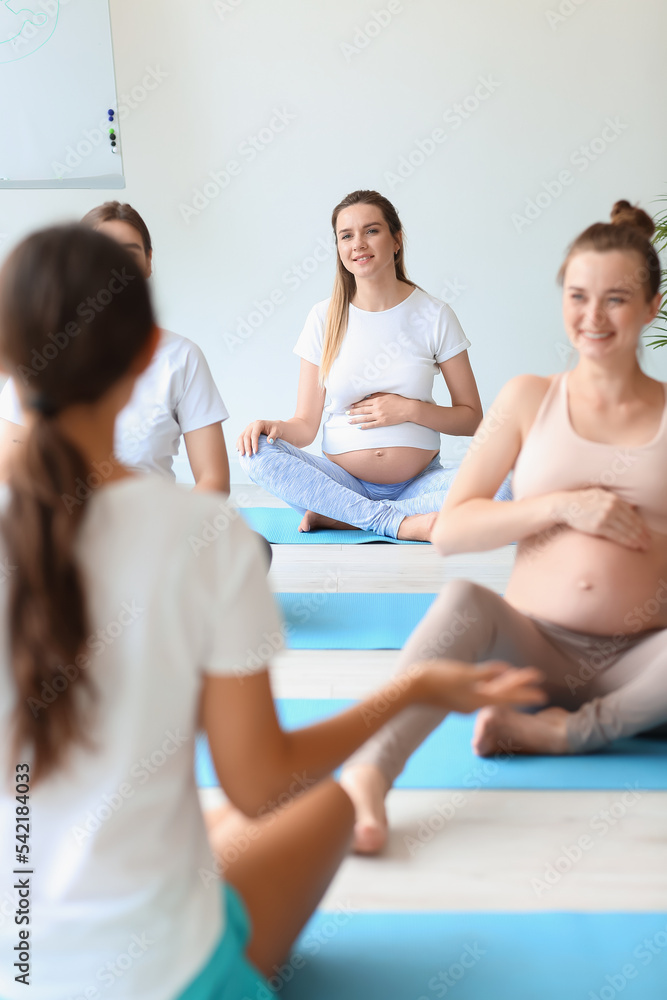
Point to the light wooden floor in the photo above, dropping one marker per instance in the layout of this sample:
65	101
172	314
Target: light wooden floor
498	842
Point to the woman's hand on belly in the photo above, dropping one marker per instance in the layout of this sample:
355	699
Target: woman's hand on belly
601	512
380	409
384	465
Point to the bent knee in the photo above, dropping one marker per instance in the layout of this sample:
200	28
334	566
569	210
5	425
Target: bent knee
252	463
459	623
459	607
463	593
246	463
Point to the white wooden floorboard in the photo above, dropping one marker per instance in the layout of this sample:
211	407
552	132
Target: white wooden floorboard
487	856
388	568
331	673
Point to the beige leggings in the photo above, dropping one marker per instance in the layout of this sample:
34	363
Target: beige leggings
613	687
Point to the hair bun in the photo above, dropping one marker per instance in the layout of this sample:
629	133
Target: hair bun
625	214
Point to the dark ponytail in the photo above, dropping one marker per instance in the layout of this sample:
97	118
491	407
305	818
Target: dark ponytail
74	313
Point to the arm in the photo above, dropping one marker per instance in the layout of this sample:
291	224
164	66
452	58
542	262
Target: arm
301	430
464	415
256	761
383	409
470	519
11	438
207	455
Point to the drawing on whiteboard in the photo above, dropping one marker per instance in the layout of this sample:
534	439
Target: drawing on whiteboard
23	30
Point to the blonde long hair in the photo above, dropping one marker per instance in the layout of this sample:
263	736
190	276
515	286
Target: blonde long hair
345	284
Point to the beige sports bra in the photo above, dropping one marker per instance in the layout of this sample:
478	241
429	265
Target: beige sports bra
554	457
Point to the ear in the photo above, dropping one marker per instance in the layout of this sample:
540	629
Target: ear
653	307
145	355
149	265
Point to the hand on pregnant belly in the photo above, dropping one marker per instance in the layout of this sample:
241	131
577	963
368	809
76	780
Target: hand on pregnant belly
595	570
600	512
380	409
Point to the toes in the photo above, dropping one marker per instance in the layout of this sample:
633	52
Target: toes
369	838
485	733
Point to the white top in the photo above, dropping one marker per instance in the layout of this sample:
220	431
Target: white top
174	395
397	350
176	585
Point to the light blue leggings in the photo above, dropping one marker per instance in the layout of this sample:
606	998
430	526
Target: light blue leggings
311	482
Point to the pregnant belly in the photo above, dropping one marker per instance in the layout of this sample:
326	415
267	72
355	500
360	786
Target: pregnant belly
384	465
590	584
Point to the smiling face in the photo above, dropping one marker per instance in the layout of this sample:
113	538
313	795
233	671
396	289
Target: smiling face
129	237
365	244
604	303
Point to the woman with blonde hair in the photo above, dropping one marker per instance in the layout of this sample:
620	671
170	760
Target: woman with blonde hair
375	347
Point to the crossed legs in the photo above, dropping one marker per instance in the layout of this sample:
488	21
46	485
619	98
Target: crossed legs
626	695
329	497
286	867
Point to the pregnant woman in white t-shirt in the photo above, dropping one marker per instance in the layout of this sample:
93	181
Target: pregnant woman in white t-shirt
175	397
125	623
375	348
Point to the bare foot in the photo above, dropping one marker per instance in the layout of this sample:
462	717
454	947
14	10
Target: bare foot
505	729
367	787
417	527
312	522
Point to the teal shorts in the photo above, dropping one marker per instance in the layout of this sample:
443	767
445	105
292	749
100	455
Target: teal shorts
229	975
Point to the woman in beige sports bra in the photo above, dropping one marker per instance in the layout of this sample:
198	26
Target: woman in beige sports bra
587	598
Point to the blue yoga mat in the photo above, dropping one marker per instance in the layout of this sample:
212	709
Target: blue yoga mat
478	956
280	526
446	760
351	621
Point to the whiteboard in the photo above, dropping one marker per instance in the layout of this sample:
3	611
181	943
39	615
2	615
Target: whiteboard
58	101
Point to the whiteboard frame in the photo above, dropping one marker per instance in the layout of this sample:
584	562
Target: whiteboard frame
115	181
102	181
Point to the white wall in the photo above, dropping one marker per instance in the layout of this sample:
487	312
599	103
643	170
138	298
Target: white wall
222	71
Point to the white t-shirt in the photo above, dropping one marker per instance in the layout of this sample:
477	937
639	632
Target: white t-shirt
176	585
397	350
174	395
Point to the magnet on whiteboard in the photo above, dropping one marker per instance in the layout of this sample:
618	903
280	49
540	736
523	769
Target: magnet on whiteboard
114	149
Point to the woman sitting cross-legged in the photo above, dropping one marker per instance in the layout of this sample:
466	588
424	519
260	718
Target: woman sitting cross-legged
376	347
587	599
